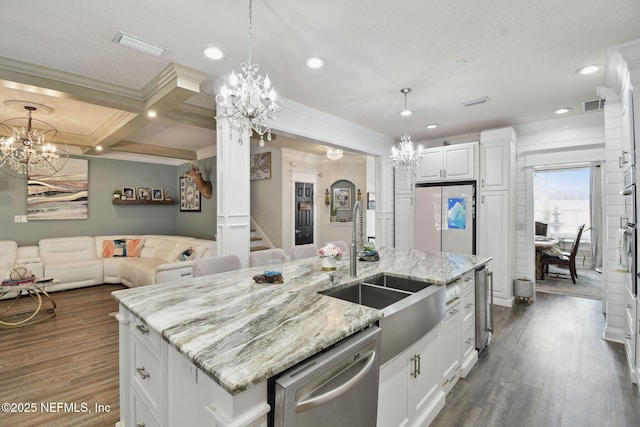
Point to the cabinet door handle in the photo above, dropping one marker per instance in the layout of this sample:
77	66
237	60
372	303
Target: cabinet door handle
627	305
469	341
142	328
482	182
416	365
468	305
140	425
143	373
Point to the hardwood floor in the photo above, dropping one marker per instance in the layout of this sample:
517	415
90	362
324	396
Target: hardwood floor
71	358
547	366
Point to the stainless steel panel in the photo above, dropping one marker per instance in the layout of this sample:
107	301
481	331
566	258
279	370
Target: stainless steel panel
337	388
483	308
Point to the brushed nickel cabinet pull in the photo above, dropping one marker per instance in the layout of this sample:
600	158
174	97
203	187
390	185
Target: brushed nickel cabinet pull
143	373
142	328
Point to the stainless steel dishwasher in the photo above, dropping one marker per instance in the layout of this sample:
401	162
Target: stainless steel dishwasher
336	388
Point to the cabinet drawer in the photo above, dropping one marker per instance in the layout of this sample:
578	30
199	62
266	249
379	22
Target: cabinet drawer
146	373
468	305
146	335
468	281
141	414
468	339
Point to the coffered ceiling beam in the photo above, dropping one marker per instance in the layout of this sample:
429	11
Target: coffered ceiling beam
154	150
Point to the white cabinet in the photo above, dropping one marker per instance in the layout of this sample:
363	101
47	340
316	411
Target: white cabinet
410	392
404	210
496	209
448	163
630	331
468	352
494	166
161	387
450	348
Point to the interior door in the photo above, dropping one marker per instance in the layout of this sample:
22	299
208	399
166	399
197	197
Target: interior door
304	213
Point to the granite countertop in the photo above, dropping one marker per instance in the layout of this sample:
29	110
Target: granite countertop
240	333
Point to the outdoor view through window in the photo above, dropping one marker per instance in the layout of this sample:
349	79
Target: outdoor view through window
562	200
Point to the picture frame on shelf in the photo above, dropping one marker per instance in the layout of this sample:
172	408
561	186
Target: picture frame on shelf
190	197
342	199
157	194
144	193
128	193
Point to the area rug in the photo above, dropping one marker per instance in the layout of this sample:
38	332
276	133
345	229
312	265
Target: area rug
558	281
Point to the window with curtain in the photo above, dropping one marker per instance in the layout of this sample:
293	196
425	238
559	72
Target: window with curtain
562	200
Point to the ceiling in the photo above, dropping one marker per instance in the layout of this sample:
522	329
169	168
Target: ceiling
522	55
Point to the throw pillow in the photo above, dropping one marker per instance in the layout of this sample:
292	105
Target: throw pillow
113	248
134	247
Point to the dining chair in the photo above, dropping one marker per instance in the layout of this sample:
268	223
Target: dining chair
541	229
259	258
567	259
303	251
215	264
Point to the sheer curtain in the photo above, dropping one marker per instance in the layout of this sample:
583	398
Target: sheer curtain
596	215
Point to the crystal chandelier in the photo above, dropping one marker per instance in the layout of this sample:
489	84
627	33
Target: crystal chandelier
403	154
249	102
30	151
334	153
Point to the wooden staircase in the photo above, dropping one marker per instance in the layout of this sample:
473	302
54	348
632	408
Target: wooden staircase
256	242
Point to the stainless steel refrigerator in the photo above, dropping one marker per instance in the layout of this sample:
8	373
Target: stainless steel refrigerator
445	218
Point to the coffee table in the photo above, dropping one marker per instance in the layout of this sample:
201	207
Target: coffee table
44	308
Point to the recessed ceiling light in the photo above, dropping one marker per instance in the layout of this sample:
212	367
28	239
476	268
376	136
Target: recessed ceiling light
589	69
406	113
431	126
213	53
137	43
98	147
562	110
315	62
151	114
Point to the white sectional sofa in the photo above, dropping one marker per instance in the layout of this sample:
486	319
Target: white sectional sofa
74	262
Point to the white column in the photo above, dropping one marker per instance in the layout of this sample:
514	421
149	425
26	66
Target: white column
233	192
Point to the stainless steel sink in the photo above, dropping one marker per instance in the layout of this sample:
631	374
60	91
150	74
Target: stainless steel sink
398	283
411	308
369	295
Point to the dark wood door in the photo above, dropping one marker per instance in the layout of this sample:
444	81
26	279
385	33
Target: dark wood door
304	213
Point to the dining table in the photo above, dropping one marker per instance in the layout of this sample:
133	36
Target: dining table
543	243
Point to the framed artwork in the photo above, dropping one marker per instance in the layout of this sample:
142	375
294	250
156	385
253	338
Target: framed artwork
128	193
260	166
144	193
342	199
157	194
189	195
63	195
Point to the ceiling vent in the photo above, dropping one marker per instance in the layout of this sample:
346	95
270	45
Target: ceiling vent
475	101
593	105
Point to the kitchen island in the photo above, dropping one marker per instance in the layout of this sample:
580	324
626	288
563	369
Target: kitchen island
214	341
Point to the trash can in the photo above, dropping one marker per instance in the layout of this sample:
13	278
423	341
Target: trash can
523	288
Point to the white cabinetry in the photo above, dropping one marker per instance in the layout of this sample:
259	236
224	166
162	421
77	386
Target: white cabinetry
496	209
404	209
468	352
448	163
410	392
161	387
630	332
450	348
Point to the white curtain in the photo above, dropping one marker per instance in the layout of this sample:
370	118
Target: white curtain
596	215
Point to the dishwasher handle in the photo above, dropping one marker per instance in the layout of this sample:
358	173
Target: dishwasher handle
306	404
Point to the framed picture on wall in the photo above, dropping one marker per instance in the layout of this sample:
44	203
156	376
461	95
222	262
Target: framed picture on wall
342	199
189	195
260	166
